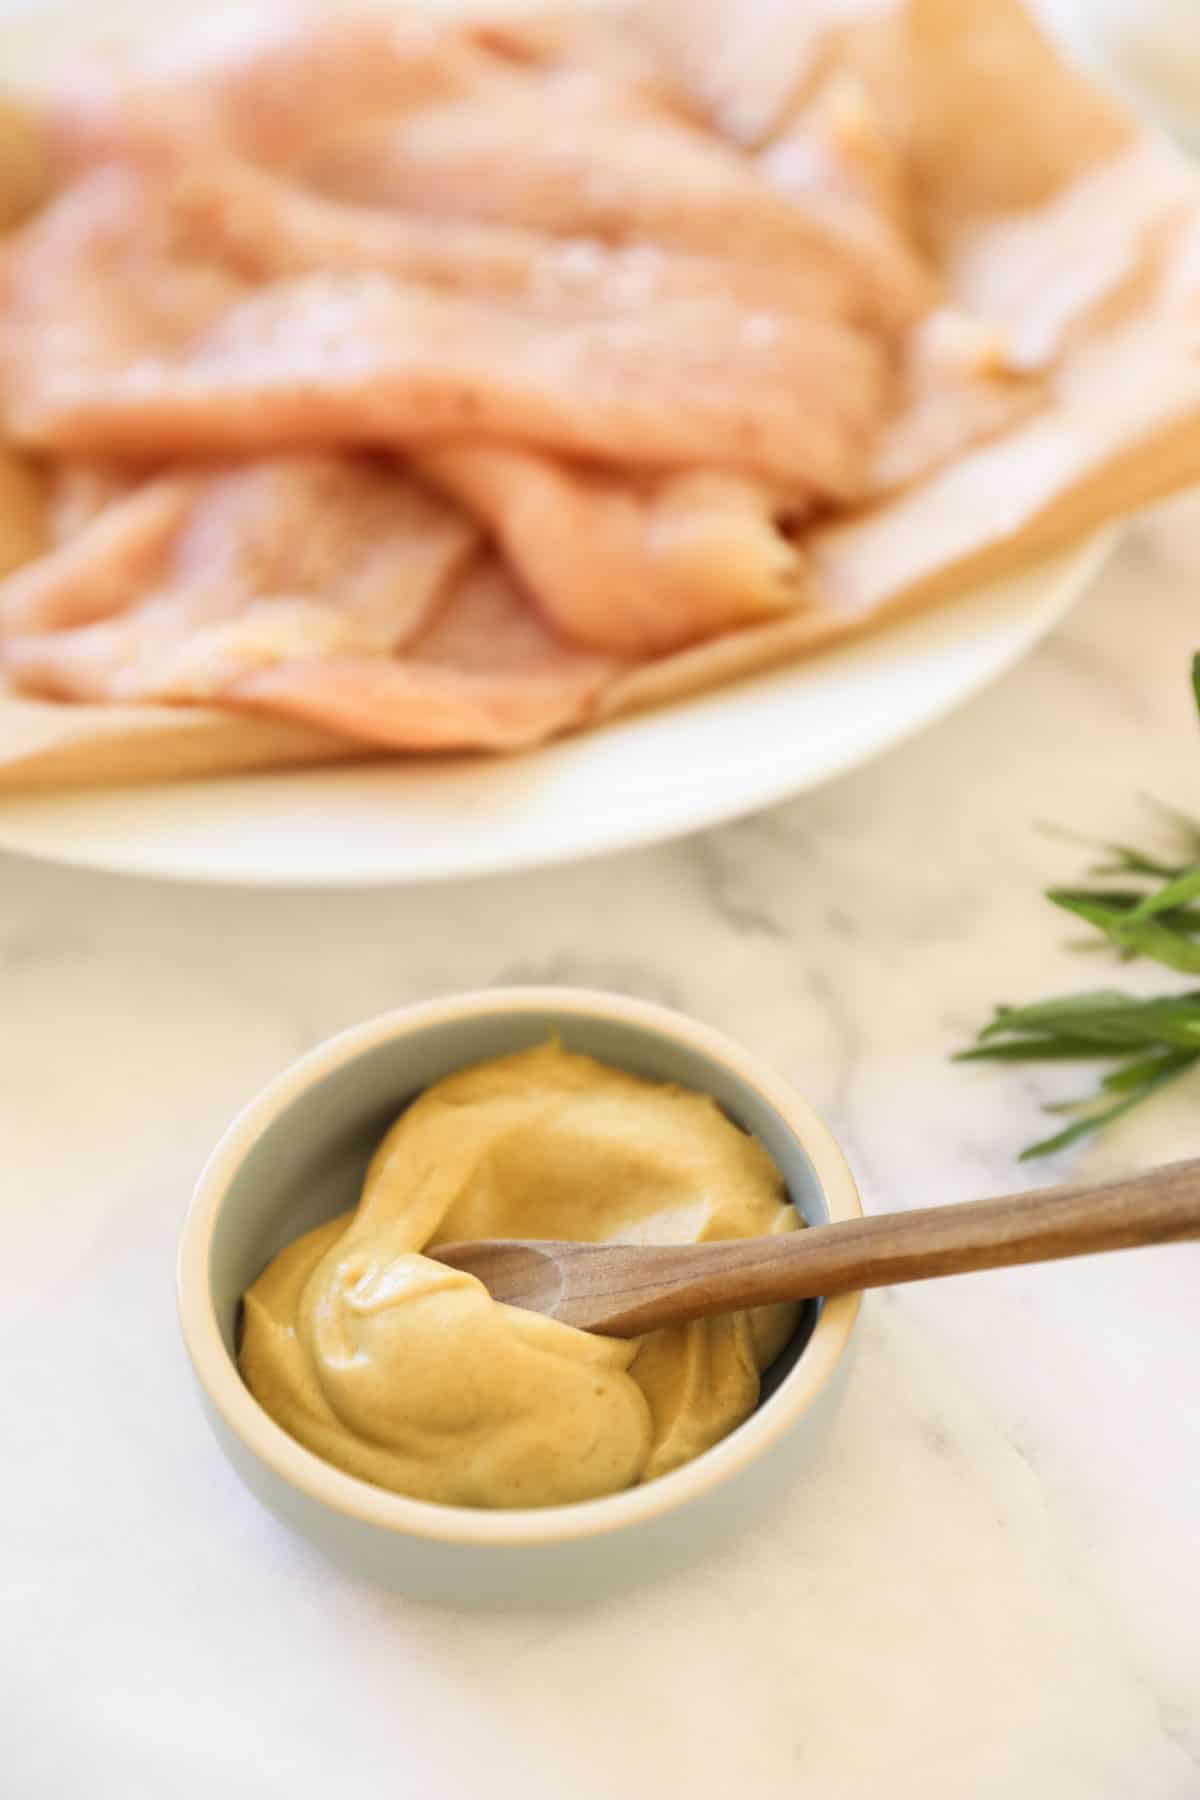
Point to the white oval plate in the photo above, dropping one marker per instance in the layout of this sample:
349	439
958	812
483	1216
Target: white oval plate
672	771
705	760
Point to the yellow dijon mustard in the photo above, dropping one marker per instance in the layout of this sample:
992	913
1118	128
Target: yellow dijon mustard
407	1374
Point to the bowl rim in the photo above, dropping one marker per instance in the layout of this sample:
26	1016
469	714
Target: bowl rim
360	1500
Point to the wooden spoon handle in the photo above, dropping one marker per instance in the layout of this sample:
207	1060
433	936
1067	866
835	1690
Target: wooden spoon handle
1158	1207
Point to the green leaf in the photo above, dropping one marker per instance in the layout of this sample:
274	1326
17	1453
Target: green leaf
1176	893
1135	1073
1107	1017
1133	932
1095	1119
1120	901
1196	678
1054	1015
1062	1140
1040	1049
1123	902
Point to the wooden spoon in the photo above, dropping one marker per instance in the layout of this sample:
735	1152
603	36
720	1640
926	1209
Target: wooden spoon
626	1289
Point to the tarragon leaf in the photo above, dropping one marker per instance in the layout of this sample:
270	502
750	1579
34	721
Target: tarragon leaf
1094	1117
1041	1049
1177	893
1168	940
1105	1016
1062	1140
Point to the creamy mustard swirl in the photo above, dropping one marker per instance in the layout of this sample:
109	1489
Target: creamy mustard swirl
409	1375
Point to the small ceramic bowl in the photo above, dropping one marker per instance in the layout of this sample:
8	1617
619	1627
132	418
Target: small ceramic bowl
297	1155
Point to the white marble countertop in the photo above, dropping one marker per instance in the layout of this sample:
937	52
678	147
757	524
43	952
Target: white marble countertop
990	1587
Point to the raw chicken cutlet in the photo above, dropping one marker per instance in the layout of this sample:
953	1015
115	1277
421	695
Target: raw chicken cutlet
329	589
632	567
118	340
619	178
265	227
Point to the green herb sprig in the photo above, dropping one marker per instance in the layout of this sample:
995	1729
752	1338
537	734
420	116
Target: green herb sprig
1154	913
